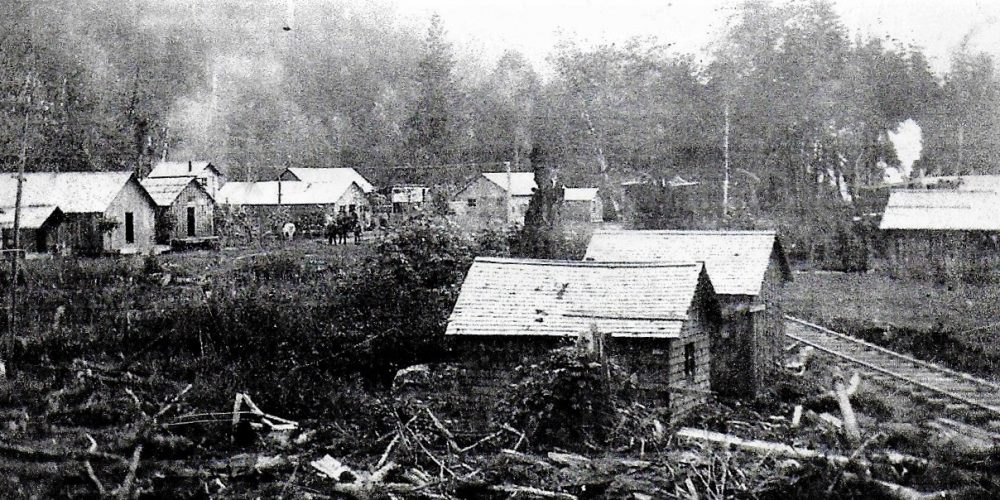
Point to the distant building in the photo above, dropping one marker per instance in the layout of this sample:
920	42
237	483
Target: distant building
484	202
747	269
658	320
204	172
327	175
309	205
582	205
103	212
943	233
185	210
957	182
662	203
406	198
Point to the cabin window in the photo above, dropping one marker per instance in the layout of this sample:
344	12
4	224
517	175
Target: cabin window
689	361
129	228
471	202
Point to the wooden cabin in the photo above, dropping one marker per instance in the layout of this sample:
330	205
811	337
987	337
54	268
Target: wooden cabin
658	319
747	269
484	202
103	212
185	210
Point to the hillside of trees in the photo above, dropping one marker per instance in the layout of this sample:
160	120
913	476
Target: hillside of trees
96	84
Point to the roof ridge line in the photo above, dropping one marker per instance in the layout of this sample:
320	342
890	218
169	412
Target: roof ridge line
588	263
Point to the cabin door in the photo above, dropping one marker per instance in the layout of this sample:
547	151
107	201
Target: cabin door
190	221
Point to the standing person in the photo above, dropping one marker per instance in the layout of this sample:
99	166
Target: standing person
343	227
356	226
330	229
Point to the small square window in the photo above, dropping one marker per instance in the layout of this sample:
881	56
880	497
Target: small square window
471	202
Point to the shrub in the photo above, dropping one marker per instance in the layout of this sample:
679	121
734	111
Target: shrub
567	399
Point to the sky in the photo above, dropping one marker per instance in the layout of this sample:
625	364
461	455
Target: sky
534	27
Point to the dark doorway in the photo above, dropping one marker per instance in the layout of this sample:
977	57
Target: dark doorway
190	221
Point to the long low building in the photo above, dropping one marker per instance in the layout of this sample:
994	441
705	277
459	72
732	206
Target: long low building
942	233
309	205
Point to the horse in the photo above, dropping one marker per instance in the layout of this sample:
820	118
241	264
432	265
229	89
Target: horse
288	230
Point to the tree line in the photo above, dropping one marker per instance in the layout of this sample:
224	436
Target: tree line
95	84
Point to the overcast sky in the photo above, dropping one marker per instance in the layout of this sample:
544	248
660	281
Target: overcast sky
489	27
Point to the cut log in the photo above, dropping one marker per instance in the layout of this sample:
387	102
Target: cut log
851	429
533	492
766	447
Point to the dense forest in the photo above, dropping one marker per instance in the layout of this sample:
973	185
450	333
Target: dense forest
100	84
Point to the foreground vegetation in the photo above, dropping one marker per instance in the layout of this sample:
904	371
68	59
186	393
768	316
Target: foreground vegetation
122	376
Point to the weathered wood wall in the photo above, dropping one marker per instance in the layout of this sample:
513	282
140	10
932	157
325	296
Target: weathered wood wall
972	256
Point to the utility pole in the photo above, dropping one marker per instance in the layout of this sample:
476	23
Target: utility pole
12	311
725	163
507	197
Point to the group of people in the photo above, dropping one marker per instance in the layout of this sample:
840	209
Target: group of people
337	228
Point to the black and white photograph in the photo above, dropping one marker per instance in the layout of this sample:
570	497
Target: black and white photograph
500	249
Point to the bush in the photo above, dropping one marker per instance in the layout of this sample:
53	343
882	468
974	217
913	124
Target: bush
567	399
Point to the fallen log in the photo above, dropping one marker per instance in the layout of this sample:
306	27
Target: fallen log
29	454
785	450
531	491
903	492
843	393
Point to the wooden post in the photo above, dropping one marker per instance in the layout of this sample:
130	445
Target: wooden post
725	162
12	311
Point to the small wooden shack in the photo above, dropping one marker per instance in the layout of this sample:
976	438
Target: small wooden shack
659	319
406	198
104	212
944	234
582	205
748	270
39	227
185	210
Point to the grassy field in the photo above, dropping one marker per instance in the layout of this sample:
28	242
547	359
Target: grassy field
953	324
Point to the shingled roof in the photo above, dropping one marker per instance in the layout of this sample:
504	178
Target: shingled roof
521	183
181	169
291	192
72	192
564	298
579	194
737	261
165	190
32	217
333	175
942	210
